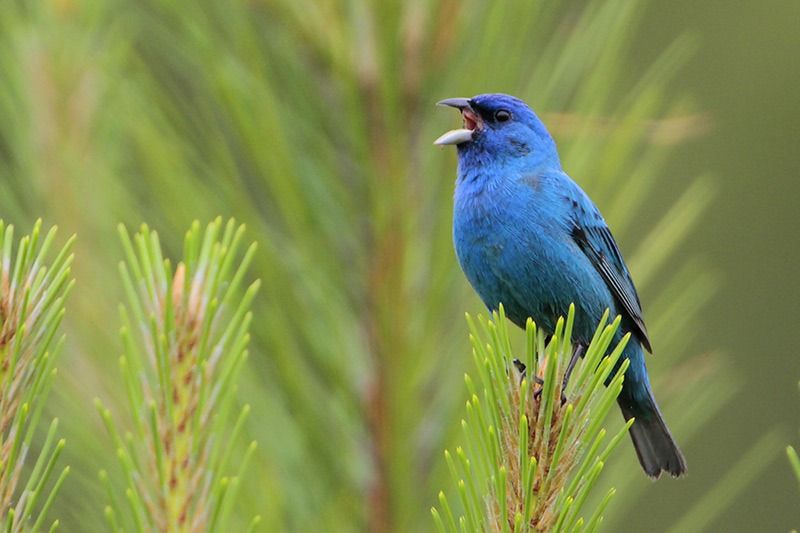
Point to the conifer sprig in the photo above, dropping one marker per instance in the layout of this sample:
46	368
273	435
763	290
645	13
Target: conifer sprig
32	294
185	337
529	461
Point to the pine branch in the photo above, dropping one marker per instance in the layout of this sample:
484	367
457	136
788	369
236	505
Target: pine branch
32	296
530	461
185	337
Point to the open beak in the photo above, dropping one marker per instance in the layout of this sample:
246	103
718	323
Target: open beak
472	123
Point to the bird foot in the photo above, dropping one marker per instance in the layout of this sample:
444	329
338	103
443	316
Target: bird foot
580	349
537	394
523	370
576	354
520	366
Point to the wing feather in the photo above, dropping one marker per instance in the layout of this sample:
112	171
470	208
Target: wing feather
598	244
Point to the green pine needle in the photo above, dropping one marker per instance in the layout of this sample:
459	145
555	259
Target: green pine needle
794	460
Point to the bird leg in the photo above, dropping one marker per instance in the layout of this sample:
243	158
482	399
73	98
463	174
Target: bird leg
577	353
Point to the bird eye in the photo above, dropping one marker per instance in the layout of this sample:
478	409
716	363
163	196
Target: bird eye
501	115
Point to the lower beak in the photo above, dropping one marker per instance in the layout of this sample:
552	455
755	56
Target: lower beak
454	137
458	136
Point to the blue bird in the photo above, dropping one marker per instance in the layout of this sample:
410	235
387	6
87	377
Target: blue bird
527	236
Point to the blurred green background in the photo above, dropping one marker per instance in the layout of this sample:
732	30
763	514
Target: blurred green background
312	122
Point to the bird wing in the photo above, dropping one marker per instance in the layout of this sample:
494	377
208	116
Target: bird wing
596	241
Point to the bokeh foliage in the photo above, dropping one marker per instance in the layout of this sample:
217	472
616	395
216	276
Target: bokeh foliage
794	461
311	122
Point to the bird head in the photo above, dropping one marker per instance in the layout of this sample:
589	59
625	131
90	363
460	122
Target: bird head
500	125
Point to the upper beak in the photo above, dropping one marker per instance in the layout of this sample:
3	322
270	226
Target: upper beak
458	103
460	135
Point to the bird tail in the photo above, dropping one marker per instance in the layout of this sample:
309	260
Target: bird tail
655	447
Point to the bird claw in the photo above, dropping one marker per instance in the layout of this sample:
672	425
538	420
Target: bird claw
537	394
580	349
522	369
577	354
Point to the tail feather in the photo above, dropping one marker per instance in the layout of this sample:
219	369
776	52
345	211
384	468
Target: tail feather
655	447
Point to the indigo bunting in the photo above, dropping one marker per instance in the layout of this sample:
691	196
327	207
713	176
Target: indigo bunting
527	236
